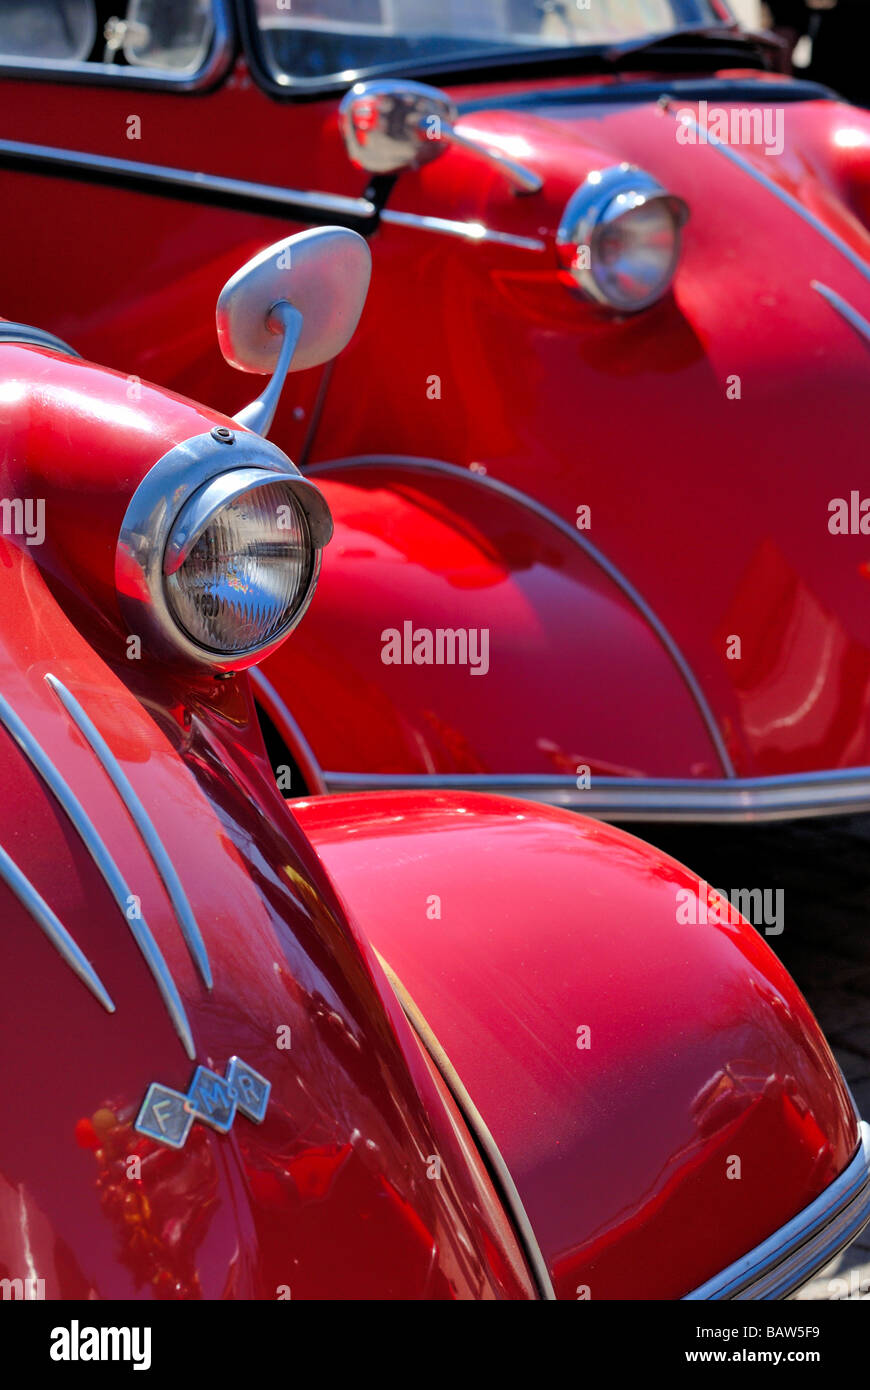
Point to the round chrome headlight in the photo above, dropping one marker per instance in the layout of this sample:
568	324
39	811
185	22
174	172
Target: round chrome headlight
620	237
217	563
238	562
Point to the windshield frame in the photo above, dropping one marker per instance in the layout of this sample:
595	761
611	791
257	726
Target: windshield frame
209	74
499	65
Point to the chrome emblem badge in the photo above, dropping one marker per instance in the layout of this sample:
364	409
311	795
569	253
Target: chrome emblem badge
168	1115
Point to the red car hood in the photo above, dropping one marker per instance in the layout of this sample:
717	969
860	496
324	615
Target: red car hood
619	1060
707	435
717	509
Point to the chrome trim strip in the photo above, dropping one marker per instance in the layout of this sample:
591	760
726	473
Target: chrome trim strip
479	1129
166	869
26	335
93	843
215	66
358	208
788	199
54	929
531	504
468	231
647	799
302	751
790	1257
746	89
844	308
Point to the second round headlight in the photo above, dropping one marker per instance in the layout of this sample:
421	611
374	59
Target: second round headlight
620	237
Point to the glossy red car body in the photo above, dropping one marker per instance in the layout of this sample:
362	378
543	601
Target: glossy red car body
376	1172
612	684
292	1205
507	1004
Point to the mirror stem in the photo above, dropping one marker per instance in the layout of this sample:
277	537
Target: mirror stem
259	414
521	179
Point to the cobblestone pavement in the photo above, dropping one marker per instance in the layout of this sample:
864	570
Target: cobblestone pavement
824	869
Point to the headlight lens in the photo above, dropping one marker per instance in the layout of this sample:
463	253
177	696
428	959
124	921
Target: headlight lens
219	551
238	563
620	238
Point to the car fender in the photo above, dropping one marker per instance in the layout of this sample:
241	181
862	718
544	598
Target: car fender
556	661
657	1087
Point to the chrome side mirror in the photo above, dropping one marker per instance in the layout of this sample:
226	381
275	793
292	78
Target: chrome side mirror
403	125
293	306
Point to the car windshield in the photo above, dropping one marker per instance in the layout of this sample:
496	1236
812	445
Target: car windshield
313	41
171	35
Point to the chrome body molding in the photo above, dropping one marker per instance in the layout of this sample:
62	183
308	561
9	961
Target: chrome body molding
798	1250
468	231
143	823
648	799
217	63
163	177
490	1151
844	309
35	904
741	162
29	336
303	754
96	848
426	465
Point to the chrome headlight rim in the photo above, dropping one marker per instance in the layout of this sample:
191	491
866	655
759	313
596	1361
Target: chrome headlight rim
591	209
168	489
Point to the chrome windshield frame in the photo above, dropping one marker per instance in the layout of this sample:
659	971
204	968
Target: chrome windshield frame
455	69
214	67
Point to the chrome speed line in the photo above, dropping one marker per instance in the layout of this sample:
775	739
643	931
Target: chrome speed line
54	929
98	851
728	152
142	821
844	309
